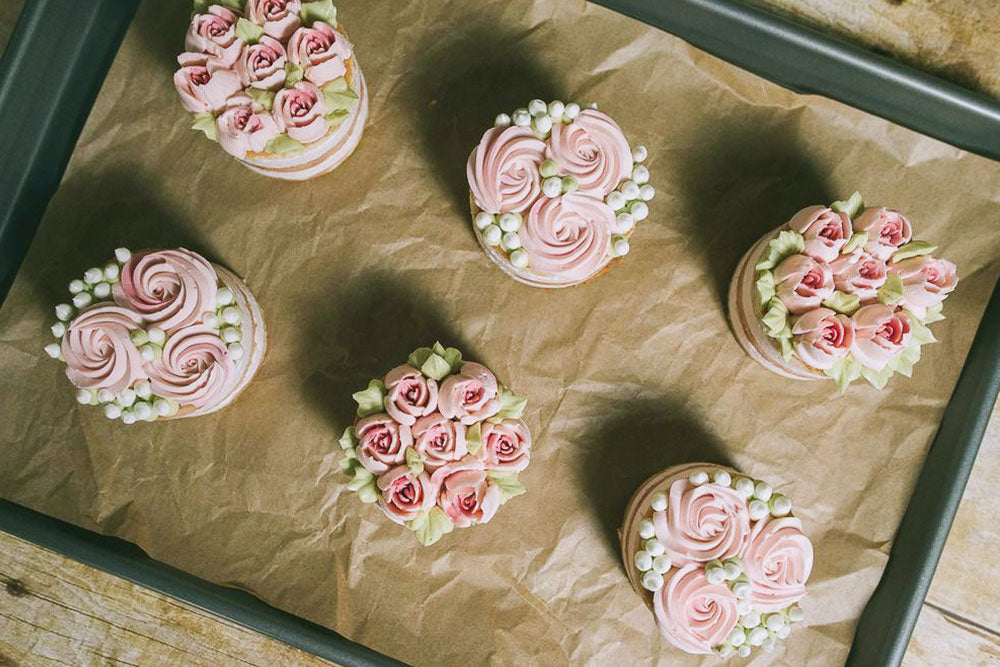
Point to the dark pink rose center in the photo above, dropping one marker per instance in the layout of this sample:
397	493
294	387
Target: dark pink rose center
200	75
473	393
262	58
318	43
438	440
241	118
405	491
813	280
216	27
834	333
893	329
301	103
832	230
892	232
412	392
275	9
468	502
505	446
871	270
381	441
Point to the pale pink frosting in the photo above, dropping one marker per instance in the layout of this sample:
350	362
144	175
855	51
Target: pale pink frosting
279	18
382	442
702	523
168	288
214	33
262	65
242	127
859	273
203	84
195	368
926	281
98	349
693	614
593	150
409	394
439	440
465	492
321	51
300	112
405	495
777	563
887	230
825	231
802	283
469	395
879	335
822	336
503	170
568	236
506	446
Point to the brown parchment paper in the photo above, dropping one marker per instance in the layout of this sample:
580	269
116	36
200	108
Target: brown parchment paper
629	374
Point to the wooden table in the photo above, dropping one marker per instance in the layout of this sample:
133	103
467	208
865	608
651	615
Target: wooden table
57	611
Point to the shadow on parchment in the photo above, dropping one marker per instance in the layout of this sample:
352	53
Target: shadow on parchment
746	179
163	26
365	328
636	440
460	84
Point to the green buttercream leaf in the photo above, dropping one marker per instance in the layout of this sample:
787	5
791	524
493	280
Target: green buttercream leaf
319	11
786	347
265	98
510	485
786	243
934	314
844	372
843	302
340	101
419	356
370	400
776	319
920	333
511	405
248	31
293	74
474	438
851	206
413	461
892	290
765	287
348	441
283	144
205	122
449	354
337	85
347	465
857	240
904	362
368	493
430	525
436	367
877	379
336	117
361	478
913	249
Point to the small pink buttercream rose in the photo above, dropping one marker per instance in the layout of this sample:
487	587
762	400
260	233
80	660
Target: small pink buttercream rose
469	395
926	281
98	349
825	231
203	83
300	112
859	273
243	128
503	170
404	495
214	33
822	336
278	18
438	440
195	368
694	614
321	51
568	236
777	563
802	283
887	231
465	492
262	65
702	523
593	150
382	442
167	288
409	394
506	446
879	335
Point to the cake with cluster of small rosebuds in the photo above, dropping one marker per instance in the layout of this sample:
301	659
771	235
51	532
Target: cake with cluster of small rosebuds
839	292
158	334
718	557
275	83
556	193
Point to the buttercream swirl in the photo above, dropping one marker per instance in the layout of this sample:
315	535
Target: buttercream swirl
404	494
241	128
439	440
195	368
203	82
824	230
278	18
506	445
880	333
168	288
887	230
692	613
321	51
593	150
409	394
568	236
503	170
214	33
382	442
777	563
469	395
98	350
465	492
702	523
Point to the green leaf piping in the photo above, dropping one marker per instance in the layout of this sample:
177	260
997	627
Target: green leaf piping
264	98
851	206
474	438
283	144
786	243
430	525
413	461
205	122
857	240
877	379
933	313
892	290
370	400
775	319
843	302
293	74
765	286
919	332
913	249
322	10
511	405
248	31
844	372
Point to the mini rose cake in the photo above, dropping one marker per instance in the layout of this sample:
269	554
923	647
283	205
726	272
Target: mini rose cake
275	82
718	557
556	193
834	294
159	334
438	443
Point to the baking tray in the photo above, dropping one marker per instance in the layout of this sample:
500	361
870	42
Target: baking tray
36	147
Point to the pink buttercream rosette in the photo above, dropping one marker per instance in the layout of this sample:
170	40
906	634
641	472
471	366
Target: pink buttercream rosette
438	443
720	557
